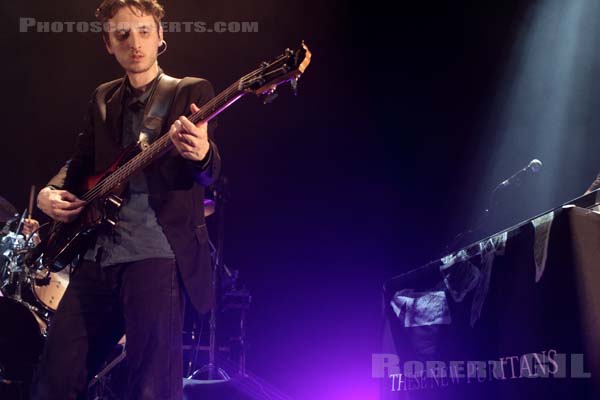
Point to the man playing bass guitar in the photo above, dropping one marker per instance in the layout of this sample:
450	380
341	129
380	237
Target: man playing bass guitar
133	278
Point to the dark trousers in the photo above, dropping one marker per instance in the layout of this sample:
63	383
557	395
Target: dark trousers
142	299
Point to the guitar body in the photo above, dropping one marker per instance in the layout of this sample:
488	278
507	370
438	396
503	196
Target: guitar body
67	240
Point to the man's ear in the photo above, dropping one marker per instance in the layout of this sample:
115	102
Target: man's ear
107	44
160	32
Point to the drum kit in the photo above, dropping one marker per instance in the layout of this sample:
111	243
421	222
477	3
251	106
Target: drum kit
29	295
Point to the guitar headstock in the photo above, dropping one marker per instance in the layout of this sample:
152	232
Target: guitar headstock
288	67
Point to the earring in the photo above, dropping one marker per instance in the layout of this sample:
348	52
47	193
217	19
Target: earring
162	43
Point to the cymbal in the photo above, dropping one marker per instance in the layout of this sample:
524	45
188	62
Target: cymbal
209	207
7	210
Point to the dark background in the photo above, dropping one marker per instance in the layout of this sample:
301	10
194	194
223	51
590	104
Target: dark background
371	171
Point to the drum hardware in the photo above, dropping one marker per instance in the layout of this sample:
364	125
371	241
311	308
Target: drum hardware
99	387
32	284
239	299
211	371
13	246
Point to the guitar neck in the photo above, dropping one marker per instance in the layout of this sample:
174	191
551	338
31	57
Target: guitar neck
163	144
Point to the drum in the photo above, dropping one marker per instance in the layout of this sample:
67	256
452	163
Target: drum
21	340
50	290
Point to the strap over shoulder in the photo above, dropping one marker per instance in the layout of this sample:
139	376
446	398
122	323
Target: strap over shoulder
157	110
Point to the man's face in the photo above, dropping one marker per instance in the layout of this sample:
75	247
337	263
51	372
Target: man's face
133	39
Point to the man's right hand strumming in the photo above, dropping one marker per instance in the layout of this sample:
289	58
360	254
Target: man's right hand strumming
60	205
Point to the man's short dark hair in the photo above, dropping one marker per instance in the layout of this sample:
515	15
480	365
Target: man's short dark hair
108	8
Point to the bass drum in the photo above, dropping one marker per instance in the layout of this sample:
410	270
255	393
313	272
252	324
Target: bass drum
50	290
22	336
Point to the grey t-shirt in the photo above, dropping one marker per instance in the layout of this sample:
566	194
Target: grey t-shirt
138	235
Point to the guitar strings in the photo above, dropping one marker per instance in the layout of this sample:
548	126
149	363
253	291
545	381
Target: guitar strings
156	147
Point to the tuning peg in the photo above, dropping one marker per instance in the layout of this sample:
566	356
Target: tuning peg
271	95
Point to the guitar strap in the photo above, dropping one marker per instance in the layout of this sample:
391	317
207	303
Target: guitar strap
157	109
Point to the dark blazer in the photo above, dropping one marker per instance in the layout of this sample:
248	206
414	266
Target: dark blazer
176	185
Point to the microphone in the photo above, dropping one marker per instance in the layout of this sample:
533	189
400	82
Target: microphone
533	167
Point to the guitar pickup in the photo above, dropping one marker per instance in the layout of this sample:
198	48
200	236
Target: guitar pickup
112	205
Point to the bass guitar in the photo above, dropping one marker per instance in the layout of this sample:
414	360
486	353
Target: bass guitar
102	191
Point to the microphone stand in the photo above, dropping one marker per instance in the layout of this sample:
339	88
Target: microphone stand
491	204
475	227
212	370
